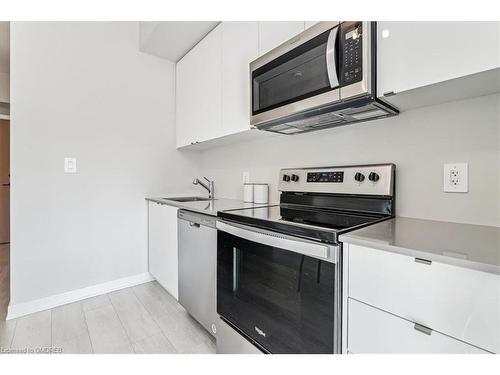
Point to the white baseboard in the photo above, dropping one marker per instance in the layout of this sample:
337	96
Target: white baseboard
21	309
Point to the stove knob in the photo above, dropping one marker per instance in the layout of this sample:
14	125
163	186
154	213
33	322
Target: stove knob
360	177
373	177
286	178
295	178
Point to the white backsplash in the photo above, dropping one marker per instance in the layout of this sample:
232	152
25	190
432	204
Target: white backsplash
419	142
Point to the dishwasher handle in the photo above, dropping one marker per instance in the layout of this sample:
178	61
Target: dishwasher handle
195	219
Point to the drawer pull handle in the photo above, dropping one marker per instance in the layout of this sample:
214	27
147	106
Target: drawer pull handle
423	329
194	225
423	261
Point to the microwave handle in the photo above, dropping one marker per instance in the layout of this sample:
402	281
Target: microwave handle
275	240
331	57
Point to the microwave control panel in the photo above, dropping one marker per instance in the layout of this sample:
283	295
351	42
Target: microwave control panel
351	44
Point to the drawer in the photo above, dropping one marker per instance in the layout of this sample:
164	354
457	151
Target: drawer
375	331
458	302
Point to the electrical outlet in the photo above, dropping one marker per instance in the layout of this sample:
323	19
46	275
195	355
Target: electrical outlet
69	165
246	177
455	178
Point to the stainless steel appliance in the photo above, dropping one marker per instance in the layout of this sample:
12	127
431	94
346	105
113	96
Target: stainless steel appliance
323	77
279	267
197	267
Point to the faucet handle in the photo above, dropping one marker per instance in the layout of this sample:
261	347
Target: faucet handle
207	179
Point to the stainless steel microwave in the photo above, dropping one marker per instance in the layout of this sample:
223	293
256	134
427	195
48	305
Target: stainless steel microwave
323	77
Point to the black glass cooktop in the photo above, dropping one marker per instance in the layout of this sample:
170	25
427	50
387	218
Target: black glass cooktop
315	223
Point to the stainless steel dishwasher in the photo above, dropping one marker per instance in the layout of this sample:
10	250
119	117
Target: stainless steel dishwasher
198	267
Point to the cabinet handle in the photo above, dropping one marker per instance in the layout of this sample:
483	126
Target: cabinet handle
423	261
194	225
423	329
388	93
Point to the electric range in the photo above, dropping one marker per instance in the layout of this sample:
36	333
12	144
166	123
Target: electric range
279	267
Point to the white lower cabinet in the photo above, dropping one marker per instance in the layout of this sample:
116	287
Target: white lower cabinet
457	302
375	331
162	246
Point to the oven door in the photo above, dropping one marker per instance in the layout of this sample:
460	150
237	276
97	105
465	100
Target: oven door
283	293
300	74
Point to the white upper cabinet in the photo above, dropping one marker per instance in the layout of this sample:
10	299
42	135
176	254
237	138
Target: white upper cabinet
213	79
273	33
198	91
417	54
240	45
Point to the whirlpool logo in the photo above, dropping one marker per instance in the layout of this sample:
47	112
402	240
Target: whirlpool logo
259	331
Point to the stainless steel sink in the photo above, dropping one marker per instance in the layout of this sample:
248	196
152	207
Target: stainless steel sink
188	199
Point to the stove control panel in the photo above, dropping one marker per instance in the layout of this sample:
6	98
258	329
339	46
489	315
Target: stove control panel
375	179
337	176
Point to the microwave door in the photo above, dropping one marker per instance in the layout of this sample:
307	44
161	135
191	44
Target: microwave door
299	79
331	58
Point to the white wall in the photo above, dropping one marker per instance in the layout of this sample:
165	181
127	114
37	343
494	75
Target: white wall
417	141
84	90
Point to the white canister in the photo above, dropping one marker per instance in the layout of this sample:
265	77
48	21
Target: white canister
260	193
248	193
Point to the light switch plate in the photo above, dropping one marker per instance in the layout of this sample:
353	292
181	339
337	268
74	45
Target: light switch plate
69	165
455	178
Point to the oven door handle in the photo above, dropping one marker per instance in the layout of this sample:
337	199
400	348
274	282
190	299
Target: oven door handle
331	57
281	241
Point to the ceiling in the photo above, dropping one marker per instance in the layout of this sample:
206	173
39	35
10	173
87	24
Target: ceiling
4	47
172	39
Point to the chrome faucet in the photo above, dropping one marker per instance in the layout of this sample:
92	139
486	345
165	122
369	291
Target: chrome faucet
209	187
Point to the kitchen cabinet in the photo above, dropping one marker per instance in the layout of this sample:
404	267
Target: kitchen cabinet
375	331
240	46
416	54
213	79
198	91
461	303
162	246
273	33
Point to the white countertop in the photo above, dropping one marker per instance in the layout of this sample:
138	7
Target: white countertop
465	245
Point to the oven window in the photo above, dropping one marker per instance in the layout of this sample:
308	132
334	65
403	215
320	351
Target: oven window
282	300
298	74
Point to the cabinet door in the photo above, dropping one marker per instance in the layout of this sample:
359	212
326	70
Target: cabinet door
199	91
458	302
375	331
273	33
240	46
162	245
416	54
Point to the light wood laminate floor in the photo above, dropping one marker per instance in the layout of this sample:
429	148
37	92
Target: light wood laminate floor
141	319
4	280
